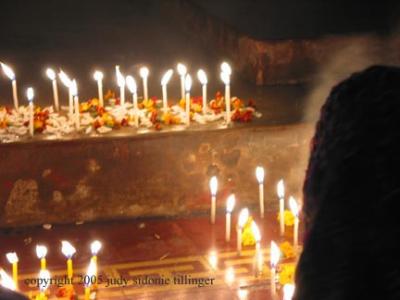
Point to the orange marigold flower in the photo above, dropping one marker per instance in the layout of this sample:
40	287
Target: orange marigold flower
287	250
286	274
288	217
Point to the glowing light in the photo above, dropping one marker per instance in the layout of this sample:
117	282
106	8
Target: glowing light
225	78
213	259
275	254
229	275
230	203
256	232
98	75
95	247
243	217
8	71
41	251
51	74
281	189
6	281
202	76
288	291
242	293
226	68
12	257
30	94
213	185
120	77
74	88
67	249
260	174
44	283
91	271
64	79
294	206
167	76
188	83
181	68
131	83
144	72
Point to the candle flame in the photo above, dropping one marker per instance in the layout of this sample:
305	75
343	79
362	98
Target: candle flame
144	72
294	206
8	71
30	94
256	232
242	293
51	74
230	203
226	68
91	271
213	259
12	257
181	68
281	189
188	83
167	76
44	283
229	275
95	247
275	254
213	185
288	291
202	76
243	217
6	281
131	83
260	174
67	249
225	78
74	88
120	77
41	251
98	75
64	78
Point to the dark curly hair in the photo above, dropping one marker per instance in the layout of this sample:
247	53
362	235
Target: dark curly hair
352	193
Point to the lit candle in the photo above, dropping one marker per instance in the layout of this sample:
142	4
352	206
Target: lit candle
13	260
68	250
243	217
281	195
41	252
260	174
11	75
188	85
229	275
52	76
95	247
121	84
275	253
164	81
144	73
288	291
67	83
213	189
294	207
226	72
230	204
98	76
74	92
258	255
44	283
203	80
90	278
131	83
181	68
6	281
213	259
30	94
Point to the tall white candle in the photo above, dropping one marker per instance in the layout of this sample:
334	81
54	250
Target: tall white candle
6	281
67	83
226	72
164	81
281	195
260	174
188	85
131	83
98	76
30	94
144	73
288	291
74	92
213	190
275	253
11	75
52	76
230	204
182	70
202	76
121	84
243	217
294	207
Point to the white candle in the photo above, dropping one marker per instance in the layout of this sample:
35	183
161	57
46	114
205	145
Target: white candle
188	85
11	75
202	76
44	283
281	195
30	94
294	207
181	68
52	76
230	204
41	252
260	174
164	81
213	189
98	76
74	92
258	255
6	281
243	217
121	84
275	253
13	260
67	83
131	83
144	73
288	291
226	72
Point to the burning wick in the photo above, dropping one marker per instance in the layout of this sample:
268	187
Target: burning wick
95	247
90	278
294	207
67	83
281	195
202	76
41	252
288	291
52	76
226	72
260	174
98	76
188	85
164	82
6	281
30	94
13	260
11	75
74	93
213	189
131	83
275	256
182	70
213	259
68	250
144	73
121	84
243	217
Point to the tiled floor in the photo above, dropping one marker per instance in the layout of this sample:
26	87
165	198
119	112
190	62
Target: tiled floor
153	247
